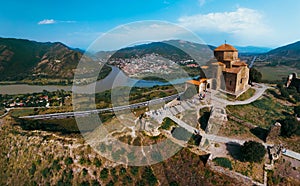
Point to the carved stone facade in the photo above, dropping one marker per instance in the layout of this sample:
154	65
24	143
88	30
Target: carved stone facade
232	72
228	73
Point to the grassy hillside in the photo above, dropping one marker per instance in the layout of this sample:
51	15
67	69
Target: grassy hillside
30	157
288	55
23	59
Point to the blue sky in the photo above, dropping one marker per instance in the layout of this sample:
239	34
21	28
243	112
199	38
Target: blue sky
268	23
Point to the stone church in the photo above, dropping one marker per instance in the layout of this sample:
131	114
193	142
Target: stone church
226	73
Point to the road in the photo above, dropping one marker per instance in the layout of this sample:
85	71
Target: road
222	139
97	111
252	62
259	90
292	154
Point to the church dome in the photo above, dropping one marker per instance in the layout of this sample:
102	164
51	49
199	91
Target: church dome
226	47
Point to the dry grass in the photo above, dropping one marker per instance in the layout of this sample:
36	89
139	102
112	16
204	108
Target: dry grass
263	112
253	170
246	95
236	130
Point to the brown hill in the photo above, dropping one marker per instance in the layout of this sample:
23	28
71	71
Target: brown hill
23	59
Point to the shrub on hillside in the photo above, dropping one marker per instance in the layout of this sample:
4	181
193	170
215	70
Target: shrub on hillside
252	151
290	126
223	162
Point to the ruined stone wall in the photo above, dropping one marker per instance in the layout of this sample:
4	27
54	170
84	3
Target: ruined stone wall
293	81
217	119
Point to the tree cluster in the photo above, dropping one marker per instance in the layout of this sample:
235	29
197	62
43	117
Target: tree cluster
291	94
252	151
254	76
290	125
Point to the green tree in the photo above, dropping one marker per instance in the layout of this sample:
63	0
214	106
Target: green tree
45	172
84	183
55	165
297	111
167	124
111	183
254	76
84	171
290	126
68	161
149	176
95	183
134	170
223	162
252	151
284	93
82	161
122	171
33	169
97	162
104	173
173	183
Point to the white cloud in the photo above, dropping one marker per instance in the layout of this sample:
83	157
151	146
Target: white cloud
52	21
141	32
47	22
242	22
201	2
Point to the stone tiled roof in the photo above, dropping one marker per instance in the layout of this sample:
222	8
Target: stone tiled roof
233	70
226	47
239	63
194	82
218	63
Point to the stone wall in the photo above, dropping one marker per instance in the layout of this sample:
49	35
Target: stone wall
226	55
230	81
217	119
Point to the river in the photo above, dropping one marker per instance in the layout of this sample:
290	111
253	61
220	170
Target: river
116	78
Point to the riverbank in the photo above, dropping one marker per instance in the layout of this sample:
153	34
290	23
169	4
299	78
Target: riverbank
116	78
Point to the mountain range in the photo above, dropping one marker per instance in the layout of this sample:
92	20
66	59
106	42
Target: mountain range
288	55
176	50
252	49
20	59
24	59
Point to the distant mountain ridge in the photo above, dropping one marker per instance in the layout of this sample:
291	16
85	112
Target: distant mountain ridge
288	55
24	59
252	49
21	59
175	50
288	51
